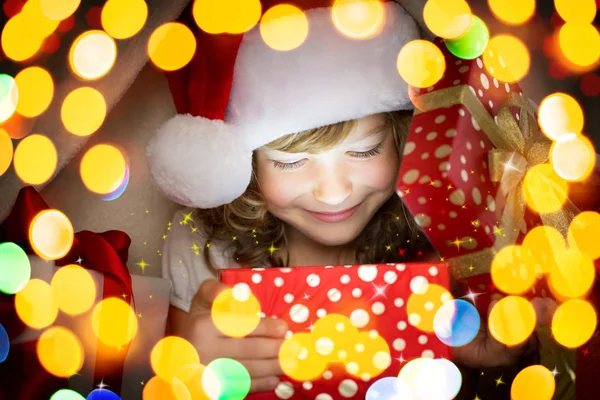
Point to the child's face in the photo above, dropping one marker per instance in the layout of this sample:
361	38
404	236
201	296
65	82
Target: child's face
331	196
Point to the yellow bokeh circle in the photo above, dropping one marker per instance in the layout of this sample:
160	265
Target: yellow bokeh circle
513	12
574	323
36	89
188	384
57	10
369	356
576	11
231	16
512	320
334	334
114	322
122	19
35	159
171	354
422	307
358	19
573	274
103	169
51	234
560	115
171	46
60	352
92	54
38	23
35	305
83	111
447	19
580	43
533	382
6	151
236	311
513	270
284	27
421	63
543	244
574	158
159	389
544	190
19	41
299	359
507	58
73	289
584	232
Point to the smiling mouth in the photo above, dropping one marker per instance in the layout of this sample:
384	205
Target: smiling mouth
334	217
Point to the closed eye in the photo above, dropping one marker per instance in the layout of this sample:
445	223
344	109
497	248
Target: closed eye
356	154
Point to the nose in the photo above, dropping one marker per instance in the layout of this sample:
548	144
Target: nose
332	186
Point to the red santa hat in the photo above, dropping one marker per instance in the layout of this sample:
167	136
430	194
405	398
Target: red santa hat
238	94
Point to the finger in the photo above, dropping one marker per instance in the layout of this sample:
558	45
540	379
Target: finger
261	348
262	368
263	384
544	310
270	327
207	293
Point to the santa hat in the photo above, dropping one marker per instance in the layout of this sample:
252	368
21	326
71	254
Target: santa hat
238	94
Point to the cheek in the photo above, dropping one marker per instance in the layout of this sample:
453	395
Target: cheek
277	189
384	171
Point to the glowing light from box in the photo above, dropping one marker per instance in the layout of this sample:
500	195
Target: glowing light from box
66	394
114	322
574	323
389	388
236	311
542	244
36	89
576	11
123	19
334	335
358	19
580	43
4	344
560	115
92	55
60	352
121	189
233	377
512	320
158	389
513	12
19	42
35	305
16	269
421	63
513	271
544	190
83	111
422	307
103	169
582	234
187	383
51	234
441	371
369	356
6	151
229	16
573	274
447	19
299	358
284	27
170	354
9	96
472	43
57	10
456	323
533	382
171	46
574	158
507	58
73	289
35	159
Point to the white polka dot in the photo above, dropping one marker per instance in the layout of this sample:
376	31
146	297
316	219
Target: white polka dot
284	390
469	146
458	62
382	360
439	119
419	284
278	282
419	129
463	69
409	147
288	298
482	144
441	227
486	229
378	308
422	339
327	375
399	344
461	112
348	388
367	273
445	297
285	270
475	124
456	82
443	151
299	313
479	62
491	103
463	159
241	292
452	214
429	306
507	88
422	200
410	176
307	385
414	319
431	136
423	220
427	354
356	292
323	396
464	175
313	280
450	133
484	81
324	346
480	92
401	325
334	295
352	367
321	312
399	302
476	195
457	197
433	271
365	377
345	279
359	318
444	166
400	267
496	82
491	203
390	277
256	278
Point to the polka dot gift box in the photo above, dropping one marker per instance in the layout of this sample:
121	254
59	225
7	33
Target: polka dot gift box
349	325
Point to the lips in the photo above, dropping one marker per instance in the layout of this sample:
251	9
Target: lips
334	217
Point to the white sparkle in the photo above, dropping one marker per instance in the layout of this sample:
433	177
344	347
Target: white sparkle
102	385
379	291
472	296
79	260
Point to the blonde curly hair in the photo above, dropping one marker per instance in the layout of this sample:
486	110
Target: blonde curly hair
255	230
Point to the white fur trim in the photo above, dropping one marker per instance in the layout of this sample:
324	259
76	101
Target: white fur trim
199	162
328	79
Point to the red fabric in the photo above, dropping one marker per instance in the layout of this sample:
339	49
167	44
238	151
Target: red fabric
105	253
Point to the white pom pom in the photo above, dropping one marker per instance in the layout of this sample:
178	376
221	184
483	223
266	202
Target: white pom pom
198	162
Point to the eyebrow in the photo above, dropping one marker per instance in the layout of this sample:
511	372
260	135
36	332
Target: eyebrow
377	130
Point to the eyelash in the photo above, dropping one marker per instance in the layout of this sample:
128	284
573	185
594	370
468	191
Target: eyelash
362	155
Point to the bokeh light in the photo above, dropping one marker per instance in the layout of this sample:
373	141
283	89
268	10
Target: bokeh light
103	169
389	387
9	96
158	389
334	334
542	243
507	58
121	189
572	275
4	344
51	234
171	46
447	19
35	159
444	373
83	111
102	394
57	10
233	377
187	383
36	89
170	354
456	323
408	374
576	11
123	19
19	41
422	307
92	54
18	126
513	12
533	382
544	190
580	43
114	322
574	323
15	269
513	271
60	352
560	115
6	151
369	356
236	311
583	233
66	394
35	305
284	27
299	359
39	24
573	158
358	19
512	320
421	63
73	289
230	16
472	43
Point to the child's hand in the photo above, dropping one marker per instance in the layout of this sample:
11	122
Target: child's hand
258	352
484	351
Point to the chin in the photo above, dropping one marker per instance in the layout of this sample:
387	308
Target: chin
337	237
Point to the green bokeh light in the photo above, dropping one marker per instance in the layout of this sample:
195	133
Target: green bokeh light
66	394
472	43
233	378
9	96
15	269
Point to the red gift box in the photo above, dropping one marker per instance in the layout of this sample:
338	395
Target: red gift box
374	297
